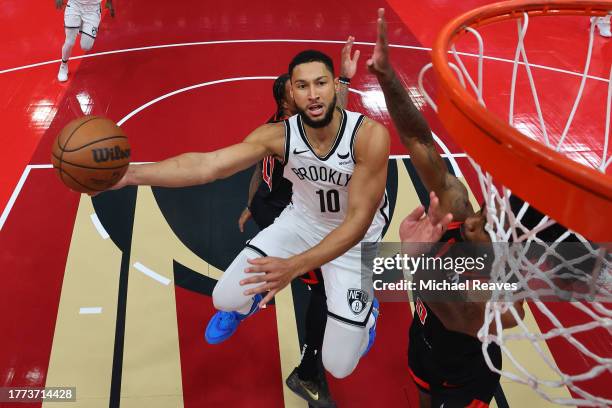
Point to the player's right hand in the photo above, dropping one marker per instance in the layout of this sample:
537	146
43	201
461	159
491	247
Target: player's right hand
244	217
123	181
59	4
379	63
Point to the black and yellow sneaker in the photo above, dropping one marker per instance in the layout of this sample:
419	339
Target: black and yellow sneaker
316	392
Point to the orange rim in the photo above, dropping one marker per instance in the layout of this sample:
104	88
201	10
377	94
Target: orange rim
574	195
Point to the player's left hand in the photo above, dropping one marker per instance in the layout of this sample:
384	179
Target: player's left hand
418	229
277	273
244	217
379	63
110	8
348	65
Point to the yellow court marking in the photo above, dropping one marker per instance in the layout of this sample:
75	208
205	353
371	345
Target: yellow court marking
151	360
83	344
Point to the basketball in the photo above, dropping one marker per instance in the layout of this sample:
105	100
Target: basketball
91	154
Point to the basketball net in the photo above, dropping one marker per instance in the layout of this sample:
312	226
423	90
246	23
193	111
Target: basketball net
548	287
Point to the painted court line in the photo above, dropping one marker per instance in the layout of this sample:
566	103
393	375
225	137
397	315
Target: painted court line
152	274
99	226
90	310
280	40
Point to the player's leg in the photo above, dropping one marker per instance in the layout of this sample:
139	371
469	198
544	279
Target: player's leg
72	25
89	30
308	379
281	240
344	344
418	359
478	387
316	318
352	313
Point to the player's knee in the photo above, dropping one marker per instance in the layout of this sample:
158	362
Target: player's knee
69	42
70	38
220	300
338	365
86	42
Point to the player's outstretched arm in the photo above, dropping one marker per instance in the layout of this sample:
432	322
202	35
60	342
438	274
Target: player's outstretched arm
191	169
413	129
348	68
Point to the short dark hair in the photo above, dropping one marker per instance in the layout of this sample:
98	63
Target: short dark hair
311	56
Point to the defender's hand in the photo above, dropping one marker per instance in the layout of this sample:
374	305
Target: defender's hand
420	228
379	64
348	65
277	273
244	217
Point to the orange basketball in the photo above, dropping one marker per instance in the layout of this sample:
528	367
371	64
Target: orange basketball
91	154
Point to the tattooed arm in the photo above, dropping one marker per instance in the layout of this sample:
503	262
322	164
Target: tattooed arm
414	132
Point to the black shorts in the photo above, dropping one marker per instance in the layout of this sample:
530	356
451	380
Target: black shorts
263	212
473	385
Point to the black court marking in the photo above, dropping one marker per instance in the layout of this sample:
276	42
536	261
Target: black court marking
116	210
419	187
91	168
90	143
205	218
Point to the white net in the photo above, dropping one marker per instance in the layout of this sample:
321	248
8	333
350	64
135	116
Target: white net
565	278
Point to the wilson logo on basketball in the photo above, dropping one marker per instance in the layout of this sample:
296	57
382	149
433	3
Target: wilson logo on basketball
110	154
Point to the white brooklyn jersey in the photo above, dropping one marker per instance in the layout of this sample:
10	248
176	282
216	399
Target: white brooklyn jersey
320	184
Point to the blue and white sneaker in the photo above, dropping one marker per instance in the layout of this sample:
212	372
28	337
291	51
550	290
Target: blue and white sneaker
372	333
224	324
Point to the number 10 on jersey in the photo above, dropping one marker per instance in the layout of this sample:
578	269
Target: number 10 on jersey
330	200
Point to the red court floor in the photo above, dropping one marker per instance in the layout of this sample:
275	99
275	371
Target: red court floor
196	76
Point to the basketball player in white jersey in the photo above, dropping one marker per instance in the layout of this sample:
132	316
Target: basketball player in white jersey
80	16
337	161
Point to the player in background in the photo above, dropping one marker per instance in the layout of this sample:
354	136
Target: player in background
80	16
